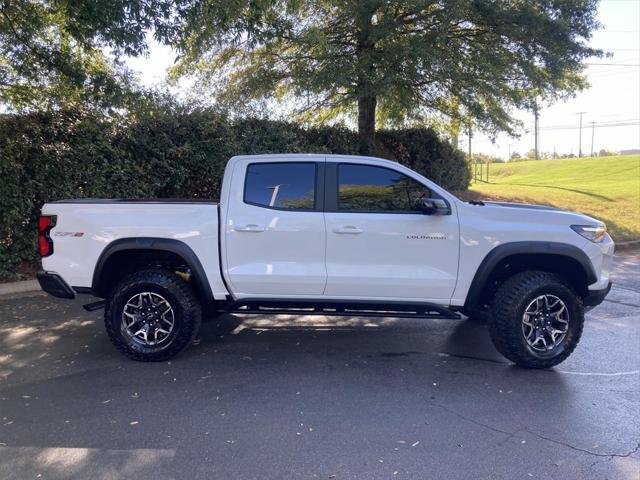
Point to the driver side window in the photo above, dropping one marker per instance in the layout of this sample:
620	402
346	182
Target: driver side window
367	188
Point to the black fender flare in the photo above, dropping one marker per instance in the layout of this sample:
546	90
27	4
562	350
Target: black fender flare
177	247
499	253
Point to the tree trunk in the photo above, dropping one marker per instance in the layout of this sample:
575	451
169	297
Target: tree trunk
367	123
367	100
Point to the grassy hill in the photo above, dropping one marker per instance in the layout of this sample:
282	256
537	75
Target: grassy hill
607	188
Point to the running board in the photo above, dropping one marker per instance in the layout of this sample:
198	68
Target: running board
339	308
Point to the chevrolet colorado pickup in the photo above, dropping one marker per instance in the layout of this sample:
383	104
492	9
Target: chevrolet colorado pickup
328	235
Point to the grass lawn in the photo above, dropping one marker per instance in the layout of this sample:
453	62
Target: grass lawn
606	188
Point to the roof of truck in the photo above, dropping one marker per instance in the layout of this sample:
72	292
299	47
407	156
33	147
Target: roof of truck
297	156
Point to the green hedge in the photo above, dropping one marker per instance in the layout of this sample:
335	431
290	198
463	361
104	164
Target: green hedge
50	156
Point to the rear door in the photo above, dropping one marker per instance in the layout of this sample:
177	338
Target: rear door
379	244
275	231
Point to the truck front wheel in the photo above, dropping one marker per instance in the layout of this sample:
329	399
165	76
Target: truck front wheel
152	315
536	319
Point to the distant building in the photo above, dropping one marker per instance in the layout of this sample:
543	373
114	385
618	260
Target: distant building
633	151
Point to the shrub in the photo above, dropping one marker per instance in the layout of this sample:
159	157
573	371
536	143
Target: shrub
163	153
423	151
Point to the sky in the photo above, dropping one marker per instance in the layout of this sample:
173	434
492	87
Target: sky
612	101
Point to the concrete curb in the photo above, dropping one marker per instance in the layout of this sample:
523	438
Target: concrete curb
19	287
628	248
628	243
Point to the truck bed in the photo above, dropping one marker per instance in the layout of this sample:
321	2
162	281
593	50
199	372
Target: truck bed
85	228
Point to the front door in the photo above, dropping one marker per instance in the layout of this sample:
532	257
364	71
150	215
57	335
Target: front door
379	244
275	234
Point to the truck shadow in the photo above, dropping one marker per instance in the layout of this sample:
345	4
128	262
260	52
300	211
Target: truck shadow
462	339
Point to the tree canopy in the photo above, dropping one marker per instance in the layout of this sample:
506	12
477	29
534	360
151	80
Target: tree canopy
384	62
390	61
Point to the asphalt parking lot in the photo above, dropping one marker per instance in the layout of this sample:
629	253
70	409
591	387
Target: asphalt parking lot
285	398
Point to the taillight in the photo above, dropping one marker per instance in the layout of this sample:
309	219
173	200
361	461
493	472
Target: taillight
45	244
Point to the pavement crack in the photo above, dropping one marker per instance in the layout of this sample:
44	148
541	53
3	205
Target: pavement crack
471	420
471	357
537	435
584	450
624	287
622	303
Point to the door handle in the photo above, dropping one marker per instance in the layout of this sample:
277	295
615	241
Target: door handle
252	227
348	229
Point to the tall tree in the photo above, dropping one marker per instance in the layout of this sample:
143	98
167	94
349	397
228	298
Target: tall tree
389	60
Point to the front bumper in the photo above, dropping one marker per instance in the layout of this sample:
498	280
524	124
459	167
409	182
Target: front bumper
595	297
53	284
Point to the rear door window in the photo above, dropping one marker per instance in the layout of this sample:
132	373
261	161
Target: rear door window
283	185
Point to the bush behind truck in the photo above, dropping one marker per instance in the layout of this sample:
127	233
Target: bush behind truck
167	153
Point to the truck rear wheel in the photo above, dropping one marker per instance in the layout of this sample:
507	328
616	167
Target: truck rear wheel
152	315
536	319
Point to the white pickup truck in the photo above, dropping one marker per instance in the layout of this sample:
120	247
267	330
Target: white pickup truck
328	235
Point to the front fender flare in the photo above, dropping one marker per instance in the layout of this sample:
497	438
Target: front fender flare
501	252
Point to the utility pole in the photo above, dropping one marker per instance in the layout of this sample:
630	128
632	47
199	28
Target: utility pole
593	129
580	136
470	135
535	128
509	157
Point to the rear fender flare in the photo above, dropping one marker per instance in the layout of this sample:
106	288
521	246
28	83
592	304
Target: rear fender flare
177	247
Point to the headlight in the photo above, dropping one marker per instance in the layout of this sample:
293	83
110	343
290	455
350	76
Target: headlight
595	233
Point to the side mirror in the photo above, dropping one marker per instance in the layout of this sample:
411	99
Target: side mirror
434	206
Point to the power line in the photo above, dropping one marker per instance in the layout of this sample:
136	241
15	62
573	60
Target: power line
611	73
605	122
612	64
575	127
530	132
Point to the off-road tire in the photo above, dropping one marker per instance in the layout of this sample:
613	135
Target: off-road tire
508	307
179	294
